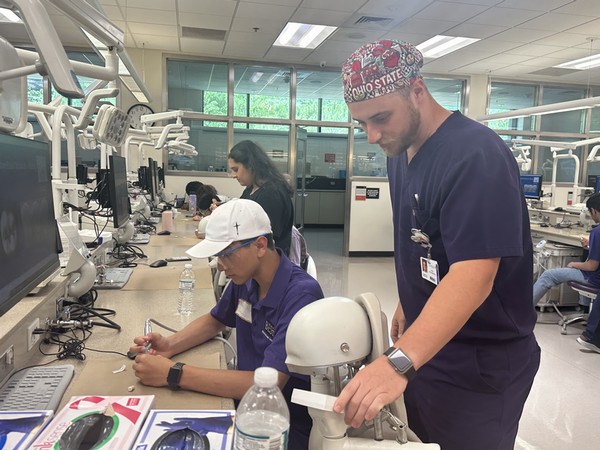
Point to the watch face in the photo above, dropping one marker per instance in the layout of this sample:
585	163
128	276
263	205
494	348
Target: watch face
401	361
136	112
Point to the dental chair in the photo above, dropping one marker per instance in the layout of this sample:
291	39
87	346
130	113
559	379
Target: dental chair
330	340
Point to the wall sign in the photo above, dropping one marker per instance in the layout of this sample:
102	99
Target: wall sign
330	157
372	192
360	193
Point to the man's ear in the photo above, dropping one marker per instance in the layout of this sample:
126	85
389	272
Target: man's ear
262	245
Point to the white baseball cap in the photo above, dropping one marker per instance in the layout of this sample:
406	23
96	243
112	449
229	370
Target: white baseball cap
236	220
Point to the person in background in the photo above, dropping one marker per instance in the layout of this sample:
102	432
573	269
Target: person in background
207	199
190	188
583	272
267	289
264	184
464	352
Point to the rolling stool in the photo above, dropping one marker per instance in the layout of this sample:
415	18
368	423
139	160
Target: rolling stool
587	290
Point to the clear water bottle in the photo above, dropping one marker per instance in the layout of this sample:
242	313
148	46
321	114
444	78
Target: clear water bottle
262	420
187	283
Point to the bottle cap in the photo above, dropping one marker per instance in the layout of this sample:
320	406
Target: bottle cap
188	266
265	376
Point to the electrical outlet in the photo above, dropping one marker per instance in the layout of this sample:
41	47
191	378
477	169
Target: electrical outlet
31	337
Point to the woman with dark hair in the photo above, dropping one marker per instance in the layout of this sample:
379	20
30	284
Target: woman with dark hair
265	184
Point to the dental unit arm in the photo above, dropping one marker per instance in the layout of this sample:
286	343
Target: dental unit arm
330	340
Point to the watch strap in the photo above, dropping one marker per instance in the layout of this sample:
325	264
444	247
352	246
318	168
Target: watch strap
410	373
174	376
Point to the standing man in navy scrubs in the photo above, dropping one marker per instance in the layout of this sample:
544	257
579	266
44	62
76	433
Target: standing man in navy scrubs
463	329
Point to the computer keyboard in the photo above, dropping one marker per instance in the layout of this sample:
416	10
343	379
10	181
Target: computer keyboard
139	238
114	278
36	388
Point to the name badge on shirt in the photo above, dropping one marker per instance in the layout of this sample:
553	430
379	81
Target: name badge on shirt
244	310
269	330
430	271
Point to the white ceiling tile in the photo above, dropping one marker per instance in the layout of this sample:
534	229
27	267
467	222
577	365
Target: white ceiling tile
480	67
293	3
210	7
450	11
508	17
165	5
492	48
591	29
287	54
433	27
320	17
588	6
150	16
334	5
202	46
113	13
189	19
264	25
564	40
476	31
245	49
535	5
151	41
554	22
394	8
520	35
262	11
534	50
158	30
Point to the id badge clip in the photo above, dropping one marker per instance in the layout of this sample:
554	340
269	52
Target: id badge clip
429	267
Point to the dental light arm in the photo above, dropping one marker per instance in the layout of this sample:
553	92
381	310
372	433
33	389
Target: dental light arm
53	59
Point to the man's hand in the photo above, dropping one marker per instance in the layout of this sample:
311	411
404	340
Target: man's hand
398	323
152	370
371	389
585	242
159	345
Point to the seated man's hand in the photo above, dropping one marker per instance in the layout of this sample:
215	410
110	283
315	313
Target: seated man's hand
152	370
585	242
159	345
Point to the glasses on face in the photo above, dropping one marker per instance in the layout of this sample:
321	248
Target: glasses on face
228	253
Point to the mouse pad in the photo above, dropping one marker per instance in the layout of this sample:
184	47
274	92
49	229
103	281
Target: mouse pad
167	277
97	378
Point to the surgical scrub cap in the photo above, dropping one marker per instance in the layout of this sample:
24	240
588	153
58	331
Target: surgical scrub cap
380	68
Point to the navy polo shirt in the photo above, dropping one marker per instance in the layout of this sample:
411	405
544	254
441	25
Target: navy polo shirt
463	190
261	327
594	254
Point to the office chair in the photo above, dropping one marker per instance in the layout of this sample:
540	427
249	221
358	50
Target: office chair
587	290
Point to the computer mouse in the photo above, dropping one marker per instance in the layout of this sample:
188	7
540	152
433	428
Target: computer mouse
164	233
182	439
545	225
87	432
159	263
558	208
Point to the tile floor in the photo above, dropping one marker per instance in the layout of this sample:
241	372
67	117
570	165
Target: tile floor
563	409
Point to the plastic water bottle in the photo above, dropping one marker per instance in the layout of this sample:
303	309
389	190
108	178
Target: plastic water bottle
187	283
262	420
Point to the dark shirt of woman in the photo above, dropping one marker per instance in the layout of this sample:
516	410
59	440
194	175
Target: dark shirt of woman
275	200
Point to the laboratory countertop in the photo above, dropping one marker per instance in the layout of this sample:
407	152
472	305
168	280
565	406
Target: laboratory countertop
156	300
569	236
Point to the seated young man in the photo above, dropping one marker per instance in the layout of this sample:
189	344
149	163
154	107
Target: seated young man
584	272
265	293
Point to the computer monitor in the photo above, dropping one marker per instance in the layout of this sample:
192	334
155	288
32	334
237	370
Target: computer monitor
161	176
532	186
154	180
117	190
29	240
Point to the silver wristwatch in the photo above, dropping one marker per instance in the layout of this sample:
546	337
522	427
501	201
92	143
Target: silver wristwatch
400	362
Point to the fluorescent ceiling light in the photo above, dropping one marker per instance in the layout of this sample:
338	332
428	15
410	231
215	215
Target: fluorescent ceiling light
441	45
588	62
6	15
303	35
552	108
